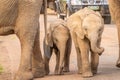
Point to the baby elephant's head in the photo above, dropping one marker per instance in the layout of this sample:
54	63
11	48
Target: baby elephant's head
93	27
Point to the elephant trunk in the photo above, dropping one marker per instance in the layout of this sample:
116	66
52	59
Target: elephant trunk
95	48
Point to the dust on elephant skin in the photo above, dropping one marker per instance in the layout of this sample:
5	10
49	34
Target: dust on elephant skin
58	40
114	6
22	18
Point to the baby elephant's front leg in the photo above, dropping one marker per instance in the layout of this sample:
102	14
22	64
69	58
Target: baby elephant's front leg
94	62
84	48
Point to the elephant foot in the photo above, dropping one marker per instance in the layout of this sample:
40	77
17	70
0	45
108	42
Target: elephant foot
55	72
24	75
87	74
79	71
58	72
38	72
47	71
94	71
66	69
118	64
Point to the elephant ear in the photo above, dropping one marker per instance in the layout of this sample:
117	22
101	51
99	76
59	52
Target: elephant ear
102	20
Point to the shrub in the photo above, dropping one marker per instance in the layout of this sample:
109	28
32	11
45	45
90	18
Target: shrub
1	69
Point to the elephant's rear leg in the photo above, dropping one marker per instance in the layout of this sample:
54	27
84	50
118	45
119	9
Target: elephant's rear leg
57	53
61	47
37	61
67	55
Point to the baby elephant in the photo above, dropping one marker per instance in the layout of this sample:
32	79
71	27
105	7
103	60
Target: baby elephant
58	40
86	27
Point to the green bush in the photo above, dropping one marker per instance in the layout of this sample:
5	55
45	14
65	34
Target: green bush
1	69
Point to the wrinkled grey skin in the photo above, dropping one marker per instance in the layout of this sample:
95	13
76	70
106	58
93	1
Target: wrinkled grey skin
59	41
22	18
86	27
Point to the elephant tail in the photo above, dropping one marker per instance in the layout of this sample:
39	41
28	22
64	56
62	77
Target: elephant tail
45	19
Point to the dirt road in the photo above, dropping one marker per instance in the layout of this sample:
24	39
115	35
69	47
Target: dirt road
10	57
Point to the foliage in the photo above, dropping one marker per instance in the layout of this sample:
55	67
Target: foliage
1	69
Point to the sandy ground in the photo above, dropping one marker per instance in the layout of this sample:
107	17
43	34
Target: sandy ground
10	57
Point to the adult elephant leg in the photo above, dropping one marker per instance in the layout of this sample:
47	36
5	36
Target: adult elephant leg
26	28
79	62
37	61
67	55
27	42
118	28
114	6
84	48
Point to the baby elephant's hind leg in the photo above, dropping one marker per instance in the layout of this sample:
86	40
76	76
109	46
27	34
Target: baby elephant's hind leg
57	61
67	56
61	47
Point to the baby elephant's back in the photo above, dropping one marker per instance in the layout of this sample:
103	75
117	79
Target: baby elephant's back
60	30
